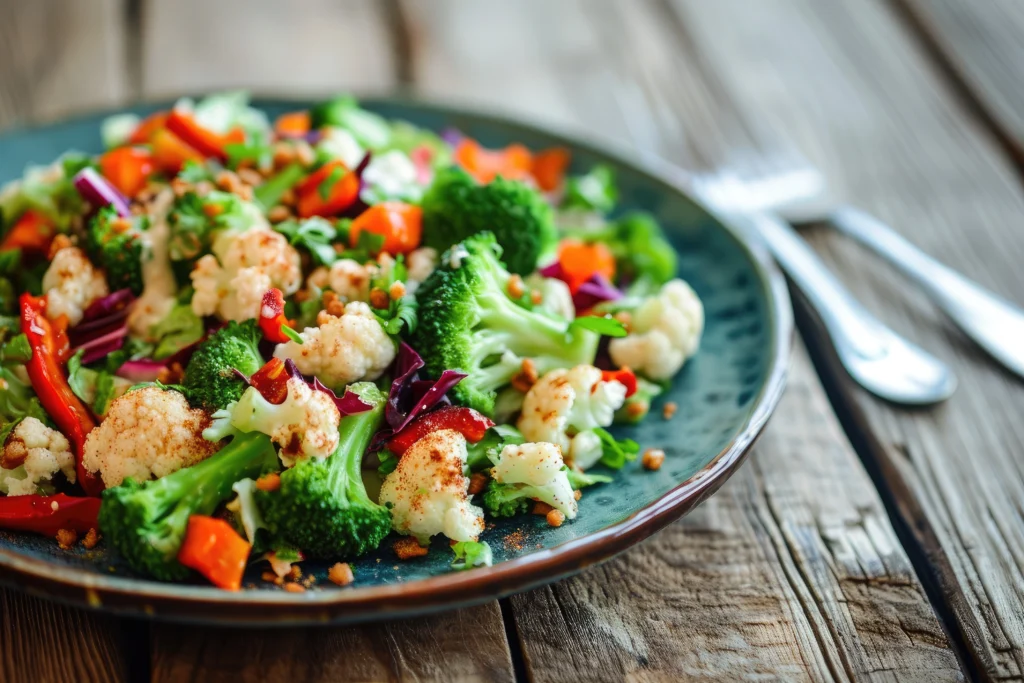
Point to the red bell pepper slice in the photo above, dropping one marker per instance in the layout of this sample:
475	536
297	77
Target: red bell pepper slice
332	200
49	514
272	320
33	232
127	168
170	152
624	376
466	421
49	350
145	131
272	381
203	140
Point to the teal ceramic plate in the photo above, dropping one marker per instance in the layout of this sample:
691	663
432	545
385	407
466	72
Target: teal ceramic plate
725	395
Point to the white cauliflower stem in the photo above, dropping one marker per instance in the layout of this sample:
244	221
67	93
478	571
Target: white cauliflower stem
575	401
538	468
33	455
147	433
666	330
343	349
305	425
428	491
72	283
347	278
231	282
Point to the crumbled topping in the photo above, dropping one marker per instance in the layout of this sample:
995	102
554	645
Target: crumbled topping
653	458
341	574
669	410
408	547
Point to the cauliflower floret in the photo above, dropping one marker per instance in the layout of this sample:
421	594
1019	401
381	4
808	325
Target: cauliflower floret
72	283
391	175
33	455
428	492
147	433
555	295
347	278
231	282
343	349
338	143
419	263
539	468
665	331
577	400
305	425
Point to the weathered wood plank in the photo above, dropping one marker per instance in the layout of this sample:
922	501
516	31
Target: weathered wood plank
299	47
43	642
314	46
868	106
60	56
792	571
980	43
464	645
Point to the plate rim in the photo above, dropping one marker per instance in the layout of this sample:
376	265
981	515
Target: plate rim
183	602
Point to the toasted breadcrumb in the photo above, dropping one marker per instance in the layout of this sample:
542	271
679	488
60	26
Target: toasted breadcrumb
536	297
279	213
653	457
271	577
408	547
637	409
669	410
295	588
577	494
341	574
295	574
540	508
91	539
555	518
66	538
515	287
626	318
396	290
526	377
379	298
477	483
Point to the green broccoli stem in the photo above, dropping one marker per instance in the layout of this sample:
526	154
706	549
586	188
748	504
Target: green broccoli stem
346	462
550	342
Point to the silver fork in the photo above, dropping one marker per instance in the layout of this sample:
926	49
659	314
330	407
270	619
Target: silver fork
797	192
875	357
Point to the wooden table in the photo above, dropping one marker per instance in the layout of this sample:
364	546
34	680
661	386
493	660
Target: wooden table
861	541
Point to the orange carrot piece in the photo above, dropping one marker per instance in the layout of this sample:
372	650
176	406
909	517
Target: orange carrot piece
580	261
515	161
216	551
293	124
400	224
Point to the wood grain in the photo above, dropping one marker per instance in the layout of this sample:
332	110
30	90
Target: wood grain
298	47
464	645
866	104
60	56
791	572
44	642
982	46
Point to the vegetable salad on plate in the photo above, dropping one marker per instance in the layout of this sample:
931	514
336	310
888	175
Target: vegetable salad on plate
227	339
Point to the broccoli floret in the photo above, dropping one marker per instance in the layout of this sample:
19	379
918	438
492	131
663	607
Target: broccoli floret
146	522
322	506
210	381
118	250
507	500
644	257
456	207
594	191
467	322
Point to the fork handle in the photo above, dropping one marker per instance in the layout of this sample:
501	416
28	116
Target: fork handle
995	324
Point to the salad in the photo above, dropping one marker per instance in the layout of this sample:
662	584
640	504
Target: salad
227	339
